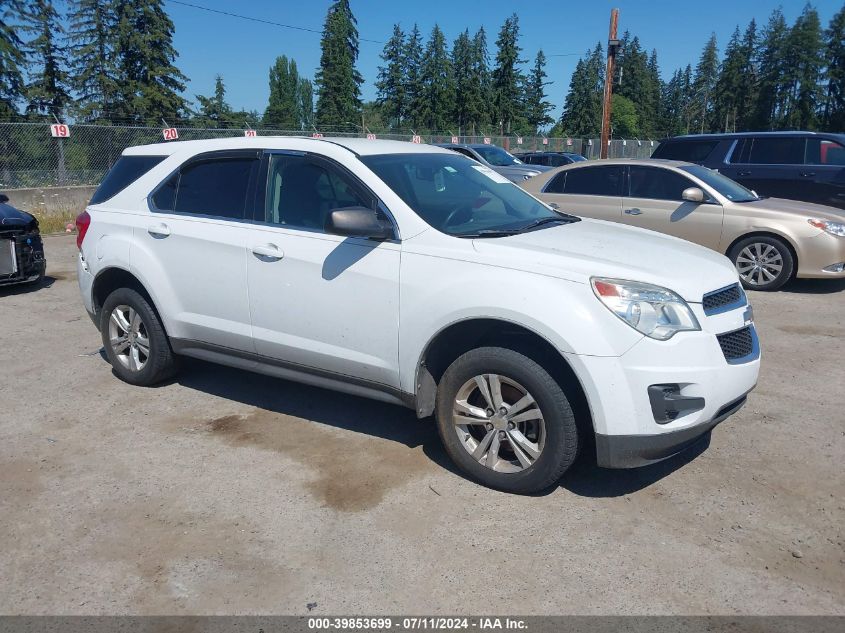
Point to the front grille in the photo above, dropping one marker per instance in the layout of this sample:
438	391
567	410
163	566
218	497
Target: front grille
737	344
714	301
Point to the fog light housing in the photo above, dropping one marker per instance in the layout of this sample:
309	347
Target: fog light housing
835	268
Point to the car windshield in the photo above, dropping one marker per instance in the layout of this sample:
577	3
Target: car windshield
733	191
459	197
497	156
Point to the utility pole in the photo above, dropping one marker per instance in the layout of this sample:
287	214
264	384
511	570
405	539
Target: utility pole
612	48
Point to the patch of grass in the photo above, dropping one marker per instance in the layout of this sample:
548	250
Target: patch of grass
56	221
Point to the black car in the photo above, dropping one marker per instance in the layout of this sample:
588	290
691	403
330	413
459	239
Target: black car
808	166
549	159
21	251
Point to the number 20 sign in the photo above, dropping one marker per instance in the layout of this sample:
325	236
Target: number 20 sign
59	130
170	134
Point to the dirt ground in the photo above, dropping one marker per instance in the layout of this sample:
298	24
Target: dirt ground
226	492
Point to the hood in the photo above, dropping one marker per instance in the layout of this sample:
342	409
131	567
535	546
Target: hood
591	248
516	171
12	217
797	208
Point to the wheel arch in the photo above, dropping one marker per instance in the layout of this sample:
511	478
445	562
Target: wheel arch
110	279
771	234
462	336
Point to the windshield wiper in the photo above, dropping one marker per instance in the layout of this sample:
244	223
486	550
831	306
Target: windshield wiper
521	229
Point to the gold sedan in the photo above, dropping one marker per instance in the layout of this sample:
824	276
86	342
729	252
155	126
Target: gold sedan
770	240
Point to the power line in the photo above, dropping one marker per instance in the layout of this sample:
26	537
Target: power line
261	20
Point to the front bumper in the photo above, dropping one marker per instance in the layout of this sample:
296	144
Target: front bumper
29	256
818	253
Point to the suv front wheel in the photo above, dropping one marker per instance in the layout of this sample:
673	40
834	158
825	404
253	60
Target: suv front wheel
134	339
505	421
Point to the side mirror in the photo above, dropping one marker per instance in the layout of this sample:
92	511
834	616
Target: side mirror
693	194
358	222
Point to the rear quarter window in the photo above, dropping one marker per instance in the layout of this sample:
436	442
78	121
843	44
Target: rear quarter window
686	151
125	171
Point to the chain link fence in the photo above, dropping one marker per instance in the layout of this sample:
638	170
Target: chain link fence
30	157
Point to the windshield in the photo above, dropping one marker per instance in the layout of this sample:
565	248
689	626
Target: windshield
457	196
733	191
497	156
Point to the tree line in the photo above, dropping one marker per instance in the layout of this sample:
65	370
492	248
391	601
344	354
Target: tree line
779	77
113	61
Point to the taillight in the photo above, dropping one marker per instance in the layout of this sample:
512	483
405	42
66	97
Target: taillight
83	221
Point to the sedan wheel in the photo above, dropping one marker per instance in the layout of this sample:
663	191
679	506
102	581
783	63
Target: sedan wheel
499	423
128	338
759	264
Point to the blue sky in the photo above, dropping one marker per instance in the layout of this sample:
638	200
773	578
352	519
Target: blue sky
242	51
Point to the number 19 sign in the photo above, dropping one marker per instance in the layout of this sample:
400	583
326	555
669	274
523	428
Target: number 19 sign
59	130
170	134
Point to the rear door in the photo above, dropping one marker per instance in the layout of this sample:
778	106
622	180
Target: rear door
654	202
823	178
772	166
195	236
589	192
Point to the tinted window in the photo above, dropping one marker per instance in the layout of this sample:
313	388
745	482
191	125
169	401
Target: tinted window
558	160
213	186
595	181
658	184
165	196
776	151
556	184
497	156
302	192
464	151
125	171
733	191
824	152
688	151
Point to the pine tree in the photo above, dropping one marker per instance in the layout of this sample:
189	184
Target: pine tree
726	93
12	60
479	90
804	62
438	91
339	83
149	84
306	104
93	73
391	80
413	89
672	106
834	107
582	108
771	103
507	79
214	111
47	91
748	89
634	80
706	74
283	107
536	106
650	111
462	73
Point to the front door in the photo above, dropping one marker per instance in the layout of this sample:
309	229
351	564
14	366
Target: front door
318	301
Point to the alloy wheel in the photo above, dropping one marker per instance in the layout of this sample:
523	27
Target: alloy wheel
759	264
128	338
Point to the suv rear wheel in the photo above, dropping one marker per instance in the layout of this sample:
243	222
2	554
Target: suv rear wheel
763	262
134	339
505	421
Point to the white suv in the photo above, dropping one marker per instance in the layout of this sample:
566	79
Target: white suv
414	275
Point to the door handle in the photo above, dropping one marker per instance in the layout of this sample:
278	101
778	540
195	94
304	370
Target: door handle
808	174
744	173
633	212
158	230
269	252
554	205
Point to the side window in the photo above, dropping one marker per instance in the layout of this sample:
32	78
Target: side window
464	151
657	184
784	150
825	152
595	181
126	170
556	184
301	192
688	151
217	187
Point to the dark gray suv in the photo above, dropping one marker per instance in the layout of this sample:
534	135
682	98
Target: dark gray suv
808	166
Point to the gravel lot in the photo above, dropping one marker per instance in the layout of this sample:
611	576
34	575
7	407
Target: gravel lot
226	492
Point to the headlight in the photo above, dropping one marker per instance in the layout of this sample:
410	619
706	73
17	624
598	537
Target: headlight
834	228
656	312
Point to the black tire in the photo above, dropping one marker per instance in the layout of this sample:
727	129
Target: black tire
160	363
760	244
561	433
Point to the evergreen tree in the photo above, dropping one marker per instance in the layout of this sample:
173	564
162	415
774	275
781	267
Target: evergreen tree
339	83
771	103
47	91
727	91
283	107
93	73
391	79
834	107
462	72
12	60
214	111
805	58
479	90
438	88
536	106
650	121
582	109
748	89
623	118
413	83
672	106
706	74
507	79
306	104
149	84
634	79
